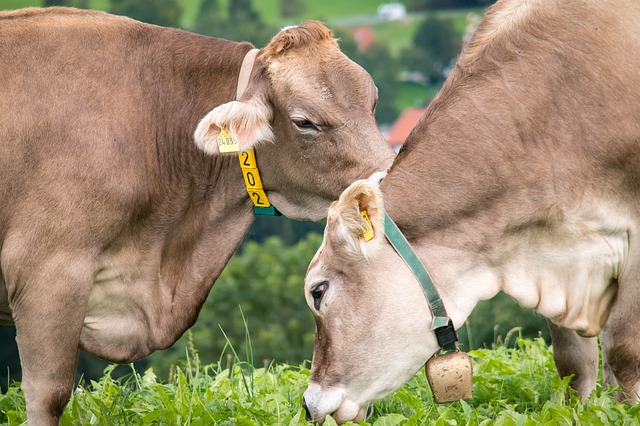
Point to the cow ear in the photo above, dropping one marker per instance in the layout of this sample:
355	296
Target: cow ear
249	122
357	218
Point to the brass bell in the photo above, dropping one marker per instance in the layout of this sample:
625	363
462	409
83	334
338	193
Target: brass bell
449	376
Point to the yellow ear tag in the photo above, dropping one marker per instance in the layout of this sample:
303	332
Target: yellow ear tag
226	141
368	229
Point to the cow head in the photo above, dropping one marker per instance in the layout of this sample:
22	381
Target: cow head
309	112
373	324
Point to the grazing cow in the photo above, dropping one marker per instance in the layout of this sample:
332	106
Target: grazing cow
523	176
114	224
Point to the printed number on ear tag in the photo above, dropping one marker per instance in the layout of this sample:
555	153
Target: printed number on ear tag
226	141
368	229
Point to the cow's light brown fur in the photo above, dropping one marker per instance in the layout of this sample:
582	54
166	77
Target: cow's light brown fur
522	176
114	225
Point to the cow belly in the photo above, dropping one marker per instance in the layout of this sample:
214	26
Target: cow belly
576	281
118	324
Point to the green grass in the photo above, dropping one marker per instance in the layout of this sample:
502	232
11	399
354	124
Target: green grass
511	387
413	95
18	4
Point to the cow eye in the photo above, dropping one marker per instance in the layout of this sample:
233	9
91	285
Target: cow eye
317	292
304	125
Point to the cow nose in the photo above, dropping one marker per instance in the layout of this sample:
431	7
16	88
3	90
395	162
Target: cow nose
307	414
369	411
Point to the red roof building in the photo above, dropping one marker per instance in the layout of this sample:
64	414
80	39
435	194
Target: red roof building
403	126
363	36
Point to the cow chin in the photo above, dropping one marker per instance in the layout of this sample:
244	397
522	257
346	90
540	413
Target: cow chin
321	402
349	411
315	209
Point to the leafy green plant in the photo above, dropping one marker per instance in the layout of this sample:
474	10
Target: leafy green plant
512	386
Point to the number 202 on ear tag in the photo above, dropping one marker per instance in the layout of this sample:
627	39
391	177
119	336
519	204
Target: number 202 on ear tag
368	229
226	141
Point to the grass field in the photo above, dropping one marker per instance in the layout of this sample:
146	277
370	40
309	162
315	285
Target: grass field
511	387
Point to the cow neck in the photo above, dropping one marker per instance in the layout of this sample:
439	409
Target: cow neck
442	324
247	158
450	374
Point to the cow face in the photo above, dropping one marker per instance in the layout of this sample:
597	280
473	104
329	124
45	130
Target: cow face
309	112
373	324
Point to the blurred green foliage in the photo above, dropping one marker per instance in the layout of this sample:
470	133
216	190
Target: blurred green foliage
265	284
491	321
237	20
438	43
159	12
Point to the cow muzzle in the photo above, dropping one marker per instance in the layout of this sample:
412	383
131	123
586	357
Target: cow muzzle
319	403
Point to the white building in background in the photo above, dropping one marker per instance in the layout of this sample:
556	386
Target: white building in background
392	12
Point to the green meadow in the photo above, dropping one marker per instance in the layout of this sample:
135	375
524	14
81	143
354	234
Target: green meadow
512	387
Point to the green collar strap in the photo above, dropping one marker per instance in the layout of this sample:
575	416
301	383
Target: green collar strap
442	324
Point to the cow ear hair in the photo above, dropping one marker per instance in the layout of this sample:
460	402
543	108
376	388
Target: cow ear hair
247	121
357	218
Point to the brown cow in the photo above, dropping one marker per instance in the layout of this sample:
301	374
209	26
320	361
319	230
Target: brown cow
523	176
114	225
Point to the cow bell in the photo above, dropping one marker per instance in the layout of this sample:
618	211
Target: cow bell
449	376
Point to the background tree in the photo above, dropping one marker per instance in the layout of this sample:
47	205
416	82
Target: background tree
159	12
210	20
288	230
383	68
83	4
265	281
492	320
416	60
241	22
446	4
437	38
242	10
292	8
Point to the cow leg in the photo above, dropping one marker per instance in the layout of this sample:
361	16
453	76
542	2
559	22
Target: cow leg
621	355
607	374
577	356
48	305
620	337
